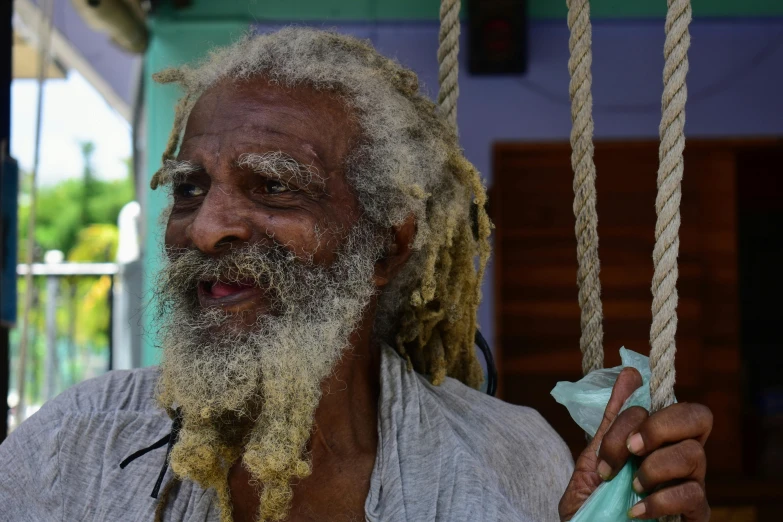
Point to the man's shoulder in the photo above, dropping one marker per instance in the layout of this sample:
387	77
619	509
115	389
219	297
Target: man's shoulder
103	417
114	391
78	439
497	424
529	461
472	419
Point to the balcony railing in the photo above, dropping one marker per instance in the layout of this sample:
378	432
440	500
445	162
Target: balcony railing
79	312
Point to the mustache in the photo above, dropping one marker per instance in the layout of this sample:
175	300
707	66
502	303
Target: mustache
270	266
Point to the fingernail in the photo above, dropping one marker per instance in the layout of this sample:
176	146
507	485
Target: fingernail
635	444
604	470
637	511
637	486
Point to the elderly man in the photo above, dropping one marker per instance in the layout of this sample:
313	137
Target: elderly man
316	313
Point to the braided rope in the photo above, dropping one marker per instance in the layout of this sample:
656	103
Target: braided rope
667	204
448	64
591	342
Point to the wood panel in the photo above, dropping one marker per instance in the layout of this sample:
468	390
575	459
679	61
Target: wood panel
536	294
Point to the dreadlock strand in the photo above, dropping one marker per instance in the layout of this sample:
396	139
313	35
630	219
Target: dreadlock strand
170	75
438	359
160	507
180	117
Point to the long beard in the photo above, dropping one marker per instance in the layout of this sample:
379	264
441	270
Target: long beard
253	392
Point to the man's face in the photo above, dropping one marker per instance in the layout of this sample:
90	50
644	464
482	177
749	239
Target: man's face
270	269
224	202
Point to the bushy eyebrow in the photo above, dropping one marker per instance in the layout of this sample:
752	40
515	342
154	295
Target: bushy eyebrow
282	167
175	171
277	165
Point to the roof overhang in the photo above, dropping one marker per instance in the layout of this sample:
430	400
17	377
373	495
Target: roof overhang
110	70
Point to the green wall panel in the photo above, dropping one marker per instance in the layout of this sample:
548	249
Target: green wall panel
291	10
173	43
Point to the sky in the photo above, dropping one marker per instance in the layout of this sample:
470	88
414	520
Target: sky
73	112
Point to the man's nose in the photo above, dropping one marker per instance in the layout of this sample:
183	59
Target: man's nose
220	223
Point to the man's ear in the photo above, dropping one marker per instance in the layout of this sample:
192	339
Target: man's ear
397	253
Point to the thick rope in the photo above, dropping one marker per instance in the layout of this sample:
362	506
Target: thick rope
448	64
667	204
591	342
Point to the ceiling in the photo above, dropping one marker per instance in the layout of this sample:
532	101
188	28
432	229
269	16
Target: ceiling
26	61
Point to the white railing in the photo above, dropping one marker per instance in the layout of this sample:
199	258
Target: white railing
58	364
57	359
68	269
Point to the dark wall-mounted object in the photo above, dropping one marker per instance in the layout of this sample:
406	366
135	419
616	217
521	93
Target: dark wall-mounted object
9	177
497	37
6	66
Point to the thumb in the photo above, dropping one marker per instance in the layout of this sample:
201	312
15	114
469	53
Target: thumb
627	382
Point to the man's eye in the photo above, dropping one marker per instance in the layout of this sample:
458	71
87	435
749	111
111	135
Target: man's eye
188	190
272	186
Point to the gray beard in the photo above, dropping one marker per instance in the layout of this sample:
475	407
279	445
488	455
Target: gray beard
268	376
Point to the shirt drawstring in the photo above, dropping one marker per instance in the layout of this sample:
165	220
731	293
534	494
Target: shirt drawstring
169	441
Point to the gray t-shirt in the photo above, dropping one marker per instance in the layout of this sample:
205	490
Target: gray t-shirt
445	453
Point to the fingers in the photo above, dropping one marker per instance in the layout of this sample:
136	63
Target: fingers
684	460
626	383
585	480
613	452
673	424
686	427
688	499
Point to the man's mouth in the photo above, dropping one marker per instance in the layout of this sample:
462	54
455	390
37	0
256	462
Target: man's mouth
234	296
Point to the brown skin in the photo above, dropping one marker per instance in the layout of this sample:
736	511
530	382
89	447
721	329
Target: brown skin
223	205
671	444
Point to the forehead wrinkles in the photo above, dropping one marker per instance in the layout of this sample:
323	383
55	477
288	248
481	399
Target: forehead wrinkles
318	122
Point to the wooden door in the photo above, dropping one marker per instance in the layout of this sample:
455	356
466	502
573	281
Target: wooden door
535	276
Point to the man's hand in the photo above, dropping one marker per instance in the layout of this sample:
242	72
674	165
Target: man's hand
671	444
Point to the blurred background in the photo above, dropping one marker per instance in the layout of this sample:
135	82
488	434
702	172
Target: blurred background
82	129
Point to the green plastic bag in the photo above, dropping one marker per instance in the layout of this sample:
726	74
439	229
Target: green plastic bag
586	401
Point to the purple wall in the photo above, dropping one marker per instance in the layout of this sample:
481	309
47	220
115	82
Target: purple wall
735	85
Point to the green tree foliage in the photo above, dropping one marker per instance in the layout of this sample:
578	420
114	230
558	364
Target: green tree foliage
79	218
65	209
